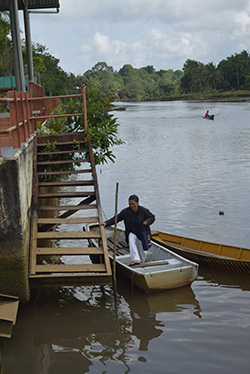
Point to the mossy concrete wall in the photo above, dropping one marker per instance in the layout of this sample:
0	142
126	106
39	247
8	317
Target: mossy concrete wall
16	175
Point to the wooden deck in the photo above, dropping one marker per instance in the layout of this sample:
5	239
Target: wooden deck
8	314
65	200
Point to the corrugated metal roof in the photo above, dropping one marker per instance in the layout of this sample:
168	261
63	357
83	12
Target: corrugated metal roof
32	4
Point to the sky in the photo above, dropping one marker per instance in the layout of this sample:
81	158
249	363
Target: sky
162	33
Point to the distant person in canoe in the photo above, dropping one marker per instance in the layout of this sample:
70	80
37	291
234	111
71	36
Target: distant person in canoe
136	220
208	116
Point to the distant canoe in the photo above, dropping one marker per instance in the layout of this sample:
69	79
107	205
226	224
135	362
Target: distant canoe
119	108
209	117
214	255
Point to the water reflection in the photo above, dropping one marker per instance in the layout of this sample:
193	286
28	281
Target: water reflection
224	279
67	328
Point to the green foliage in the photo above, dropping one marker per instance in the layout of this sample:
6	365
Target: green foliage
234	70
54	126
130	83
230	74
48	72
5	44
102	127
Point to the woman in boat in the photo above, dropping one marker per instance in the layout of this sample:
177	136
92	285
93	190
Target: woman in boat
207	114
136	220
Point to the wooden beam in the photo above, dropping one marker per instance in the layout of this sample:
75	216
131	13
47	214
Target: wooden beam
70	251
70	221
69	235
71	268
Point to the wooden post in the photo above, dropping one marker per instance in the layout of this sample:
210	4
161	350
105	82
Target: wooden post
16	141
84	109
115	232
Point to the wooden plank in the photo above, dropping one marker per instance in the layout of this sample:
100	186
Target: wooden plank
98	202
60	144
70	268
63	172
68	207
70	221
8	310
5	330
66	194
153	263
33	243
79	276
62	162
62	138
68	235
61	152
68	183
70	251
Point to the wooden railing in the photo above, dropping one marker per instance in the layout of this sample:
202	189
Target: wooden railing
27	109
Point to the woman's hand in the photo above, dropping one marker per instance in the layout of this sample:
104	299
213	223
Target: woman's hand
102	224
145	223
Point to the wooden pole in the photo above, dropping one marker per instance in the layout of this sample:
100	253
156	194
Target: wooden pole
84	109
115	231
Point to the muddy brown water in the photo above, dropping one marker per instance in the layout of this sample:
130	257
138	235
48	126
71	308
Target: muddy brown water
184	169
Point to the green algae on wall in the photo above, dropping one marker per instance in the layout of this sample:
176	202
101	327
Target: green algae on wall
15	205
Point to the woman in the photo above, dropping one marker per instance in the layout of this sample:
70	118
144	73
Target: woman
136	220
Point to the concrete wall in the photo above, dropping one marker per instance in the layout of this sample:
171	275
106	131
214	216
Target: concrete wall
15	207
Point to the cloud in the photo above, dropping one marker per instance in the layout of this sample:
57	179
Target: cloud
103	48
162	33
242	23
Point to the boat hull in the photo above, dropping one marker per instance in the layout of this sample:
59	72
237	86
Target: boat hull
156	280
206	259
163	270
209	117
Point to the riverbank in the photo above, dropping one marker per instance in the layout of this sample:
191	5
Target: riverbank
232	96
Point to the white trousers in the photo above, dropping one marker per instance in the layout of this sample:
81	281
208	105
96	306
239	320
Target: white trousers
136	250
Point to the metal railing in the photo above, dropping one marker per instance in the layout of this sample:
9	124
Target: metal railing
27	109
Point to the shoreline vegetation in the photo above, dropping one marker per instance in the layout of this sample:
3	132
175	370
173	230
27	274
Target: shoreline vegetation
229	80
232	96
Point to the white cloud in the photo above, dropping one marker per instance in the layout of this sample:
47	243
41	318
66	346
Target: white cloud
242	20
162	33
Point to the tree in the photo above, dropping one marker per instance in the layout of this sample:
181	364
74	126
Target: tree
103	77
5	44
234	70
194	76
212	76
49	74
102	126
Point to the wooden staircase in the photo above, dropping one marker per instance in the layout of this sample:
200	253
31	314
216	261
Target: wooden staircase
66	200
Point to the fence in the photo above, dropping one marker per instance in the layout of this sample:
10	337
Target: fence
26	110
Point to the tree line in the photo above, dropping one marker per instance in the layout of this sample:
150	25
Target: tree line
145	83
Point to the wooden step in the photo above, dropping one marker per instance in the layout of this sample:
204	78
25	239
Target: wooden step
69	235
68	172
67	183
63	162
61	144
68	207
70	251
70	221
62	152
71	268
65	194
78	137
63	279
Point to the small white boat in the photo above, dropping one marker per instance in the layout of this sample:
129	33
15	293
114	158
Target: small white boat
163	269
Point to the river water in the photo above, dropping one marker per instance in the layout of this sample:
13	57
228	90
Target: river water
185	169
